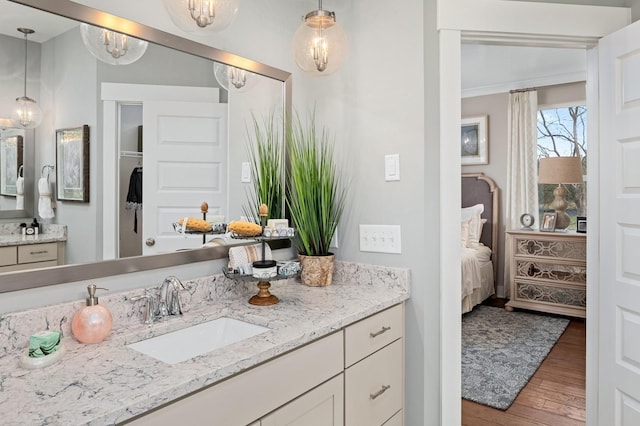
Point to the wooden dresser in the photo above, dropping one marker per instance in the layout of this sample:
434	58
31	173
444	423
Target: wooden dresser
547	272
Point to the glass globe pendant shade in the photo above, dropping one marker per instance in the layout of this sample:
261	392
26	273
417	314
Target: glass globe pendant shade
26	113
320	43
112	47
233	79
202	15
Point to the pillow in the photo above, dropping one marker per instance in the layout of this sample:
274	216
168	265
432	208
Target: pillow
473	213
464	232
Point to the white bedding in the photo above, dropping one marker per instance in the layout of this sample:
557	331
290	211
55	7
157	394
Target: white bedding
477	276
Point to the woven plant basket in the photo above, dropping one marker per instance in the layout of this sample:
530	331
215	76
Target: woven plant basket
317	271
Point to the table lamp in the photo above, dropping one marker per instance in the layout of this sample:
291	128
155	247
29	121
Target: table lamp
560	170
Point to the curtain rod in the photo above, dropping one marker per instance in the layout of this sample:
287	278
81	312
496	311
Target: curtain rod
528	89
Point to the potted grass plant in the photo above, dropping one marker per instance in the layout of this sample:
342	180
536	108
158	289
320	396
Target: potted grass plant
264	146
316	195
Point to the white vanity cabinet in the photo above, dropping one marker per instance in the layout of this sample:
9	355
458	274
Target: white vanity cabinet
353	377
31	256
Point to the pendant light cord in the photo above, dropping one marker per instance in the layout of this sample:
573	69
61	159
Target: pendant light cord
25	64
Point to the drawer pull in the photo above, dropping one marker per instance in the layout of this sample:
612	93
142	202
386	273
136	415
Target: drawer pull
377	333
38	252
385	388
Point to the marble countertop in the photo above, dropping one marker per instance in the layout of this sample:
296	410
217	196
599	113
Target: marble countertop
11	235
108	383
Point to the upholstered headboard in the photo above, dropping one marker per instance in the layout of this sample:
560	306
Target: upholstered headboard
477	188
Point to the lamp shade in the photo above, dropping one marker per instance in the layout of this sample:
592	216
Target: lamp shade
201	15
234	79
557	170
320	43
112	47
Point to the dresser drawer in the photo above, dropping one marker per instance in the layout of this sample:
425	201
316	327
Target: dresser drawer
8	256
374	387
551	293
371	334
30	253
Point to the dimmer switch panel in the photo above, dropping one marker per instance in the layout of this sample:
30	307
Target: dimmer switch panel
380	238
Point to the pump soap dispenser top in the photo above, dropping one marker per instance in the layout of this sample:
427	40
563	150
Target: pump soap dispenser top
92	324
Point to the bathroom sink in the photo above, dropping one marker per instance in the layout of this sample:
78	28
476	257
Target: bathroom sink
190	342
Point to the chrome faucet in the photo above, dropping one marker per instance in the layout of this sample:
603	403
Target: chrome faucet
169	297
164	302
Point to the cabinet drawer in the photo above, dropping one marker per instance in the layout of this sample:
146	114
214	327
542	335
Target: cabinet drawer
8	256
30	253
551	293
367	336
552	247
374	387
563	272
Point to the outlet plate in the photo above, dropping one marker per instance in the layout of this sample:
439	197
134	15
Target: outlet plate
380	238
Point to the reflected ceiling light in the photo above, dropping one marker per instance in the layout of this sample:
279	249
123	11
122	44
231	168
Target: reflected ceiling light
26	113
320	43
232	78
112	47
202	15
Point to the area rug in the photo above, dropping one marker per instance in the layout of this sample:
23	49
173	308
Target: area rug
501	351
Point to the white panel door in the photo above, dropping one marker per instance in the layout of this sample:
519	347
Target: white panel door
619	245
185	163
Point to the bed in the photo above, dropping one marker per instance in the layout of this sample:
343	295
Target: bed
479	245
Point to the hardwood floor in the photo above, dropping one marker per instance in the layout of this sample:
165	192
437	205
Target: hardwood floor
555	395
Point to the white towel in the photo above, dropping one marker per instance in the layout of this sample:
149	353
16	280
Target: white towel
44	203
20	192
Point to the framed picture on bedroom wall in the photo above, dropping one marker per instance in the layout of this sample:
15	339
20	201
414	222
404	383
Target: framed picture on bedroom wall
474	143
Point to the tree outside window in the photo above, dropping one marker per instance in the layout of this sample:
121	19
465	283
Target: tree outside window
562	132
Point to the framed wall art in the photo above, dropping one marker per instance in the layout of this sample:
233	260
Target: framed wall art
11	157
72	164
474	142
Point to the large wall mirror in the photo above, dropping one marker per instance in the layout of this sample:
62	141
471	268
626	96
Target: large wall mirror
134	111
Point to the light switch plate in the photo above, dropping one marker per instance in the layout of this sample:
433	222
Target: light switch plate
246	172
380	238
392	167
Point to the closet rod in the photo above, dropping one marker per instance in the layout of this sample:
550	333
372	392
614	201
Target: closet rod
131	154
528	89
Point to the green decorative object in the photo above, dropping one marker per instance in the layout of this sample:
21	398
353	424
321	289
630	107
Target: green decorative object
316	191
264	146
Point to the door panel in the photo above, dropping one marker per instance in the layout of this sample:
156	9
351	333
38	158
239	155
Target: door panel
619	245
185	163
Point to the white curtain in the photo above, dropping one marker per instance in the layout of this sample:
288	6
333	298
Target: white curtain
522	153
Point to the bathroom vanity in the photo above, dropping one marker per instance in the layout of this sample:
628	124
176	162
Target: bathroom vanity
334	354
21	252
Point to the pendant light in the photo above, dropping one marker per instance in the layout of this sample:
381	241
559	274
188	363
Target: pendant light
320	43
112	47
26	114
202	15
233	79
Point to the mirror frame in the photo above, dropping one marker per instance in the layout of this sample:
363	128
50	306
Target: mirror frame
22	280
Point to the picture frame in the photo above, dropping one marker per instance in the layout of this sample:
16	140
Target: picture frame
474	142
548	222
72	164
581	224
11	158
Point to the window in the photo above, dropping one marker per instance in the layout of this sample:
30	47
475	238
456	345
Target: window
562	132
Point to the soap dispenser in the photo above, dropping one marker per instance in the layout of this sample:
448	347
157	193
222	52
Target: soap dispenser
92	324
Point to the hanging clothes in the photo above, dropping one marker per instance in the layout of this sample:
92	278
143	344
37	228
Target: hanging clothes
20	189
45	210
134	195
